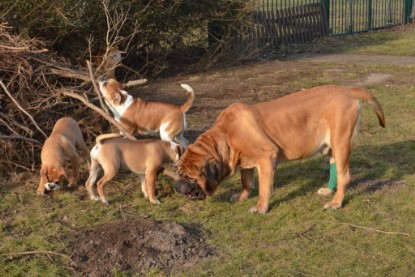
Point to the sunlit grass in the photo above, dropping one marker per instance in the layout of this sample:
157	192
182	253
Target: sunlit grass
371	236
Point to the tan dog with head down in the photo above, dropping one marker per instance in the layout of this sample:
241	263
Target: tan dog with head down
321	119
58	149
143	157
143	117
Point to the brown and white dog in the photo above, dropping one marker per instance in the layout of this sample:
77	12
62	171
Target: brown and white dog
321	119
143	157
58	149
143	117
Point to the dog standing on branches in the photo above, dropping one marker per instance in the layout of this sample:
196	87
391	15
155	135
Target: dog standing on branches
145	117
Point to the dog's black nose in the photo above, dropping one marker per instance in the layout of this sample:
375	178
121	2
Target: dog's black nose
177	187
103	78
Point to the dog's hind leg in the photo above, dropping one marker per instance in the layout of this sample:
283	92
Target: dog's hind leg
247	182
144	188
84	150
109	174
341	155
73	180
93	175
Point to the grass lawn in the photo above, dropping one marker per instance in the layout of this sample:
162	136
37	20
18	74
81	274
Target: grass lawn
372	235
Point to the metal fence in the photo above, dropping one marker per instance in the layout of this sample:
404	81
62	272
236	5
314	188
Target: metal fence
351	16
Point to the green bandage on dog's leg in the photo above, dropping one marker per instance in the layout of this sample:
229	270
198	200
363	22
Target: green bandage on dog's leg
333	177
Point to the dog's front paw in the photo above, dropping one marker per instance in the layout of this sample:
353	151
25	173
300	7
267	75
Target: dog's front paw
105	201
332	206
258	210
155	202
235	197
326	192
93	197
40	192
72	184
240	196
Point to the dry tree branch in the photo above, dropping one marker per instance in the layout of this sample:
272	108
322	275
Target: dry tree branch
98	110
38	252
5	137
23	110
375	230
96	89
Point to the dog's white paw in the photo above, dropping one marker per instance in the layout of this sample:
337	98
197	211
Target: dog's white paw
255	210
156	202
235	197
332	206
94	198
325	192
105	201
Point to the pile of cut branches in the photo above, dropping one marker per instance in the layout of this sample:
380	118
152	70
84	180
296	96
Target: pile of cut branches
37	88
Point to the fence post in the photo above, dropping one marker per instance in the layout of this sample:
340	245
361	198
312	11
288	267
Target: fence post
408	11
326	4
369	15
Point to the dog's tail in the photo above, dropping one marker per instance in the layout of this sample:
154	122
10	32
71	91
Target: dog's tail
361	94
100	139
190	97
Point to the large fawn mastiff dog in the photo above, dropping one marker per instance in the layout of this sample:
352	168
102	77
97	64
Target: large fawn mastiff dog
297	126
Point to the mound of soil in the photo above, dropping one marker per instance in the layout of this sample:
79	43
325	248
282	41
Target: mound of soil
138	246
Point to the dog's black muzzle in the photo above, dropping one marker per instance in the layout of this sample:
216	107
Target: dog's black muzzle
190	189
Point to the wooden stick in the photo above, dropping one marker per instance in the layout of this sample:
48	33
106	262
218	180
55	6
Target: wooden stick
23	110
96	89
98	110
135	83
19	137
38	252
21	49
375	230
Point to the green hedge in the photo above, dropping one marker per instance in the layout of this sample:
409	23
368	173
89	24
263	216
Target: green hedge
165	25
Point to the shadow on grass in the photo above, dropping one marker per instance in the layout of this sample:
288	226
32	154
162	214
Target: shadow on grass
372	169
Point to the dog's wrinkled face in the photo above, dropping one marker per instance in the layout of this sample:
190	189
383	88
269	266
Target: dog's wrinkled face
198	177
112	91
190	188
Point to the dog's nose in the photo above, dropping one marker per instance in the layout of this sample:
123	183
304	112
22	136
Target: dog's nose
103	78
177	187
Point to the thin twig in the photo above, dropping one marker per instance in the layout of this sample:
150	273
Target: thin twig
375	230
98	110
96	89
23	110
19	137
38	252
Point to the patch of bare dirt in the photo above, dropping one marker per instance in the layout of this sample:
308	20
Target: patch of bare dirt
134	246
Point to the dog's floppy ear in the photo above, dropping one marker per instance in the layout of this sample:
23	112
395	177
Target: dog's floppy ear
63	172
213	175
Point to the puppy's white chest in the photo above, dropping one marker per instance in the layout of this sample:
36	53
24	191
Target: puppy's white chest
119	111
